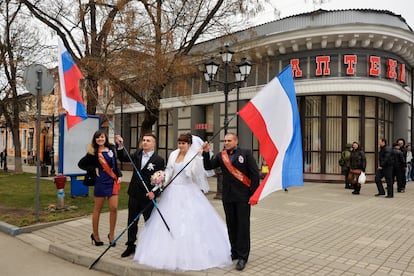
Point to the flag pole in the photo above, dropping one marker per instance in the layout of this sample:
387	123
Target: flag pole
165	187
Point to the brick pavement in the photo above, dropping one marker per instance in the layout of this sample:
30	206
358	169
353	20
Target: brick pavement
318	229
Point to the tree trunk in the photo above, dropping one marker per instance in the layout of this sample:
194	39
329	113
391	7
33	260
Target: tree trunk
91	95
150	118
14	123
152	112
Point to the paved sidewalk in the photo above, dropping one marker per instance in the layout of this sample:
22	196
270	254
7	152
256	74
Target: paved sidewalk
318	229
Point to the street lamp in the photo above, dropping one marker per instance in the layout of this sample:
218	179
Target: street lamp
244	68
2	130
241	74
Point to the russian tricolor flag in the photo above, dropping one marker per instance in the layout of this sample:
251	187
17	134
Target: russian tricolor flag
273	117
69	76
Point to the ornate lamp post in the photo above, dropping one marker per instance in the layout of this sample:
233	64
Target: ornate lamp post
2	130
241	74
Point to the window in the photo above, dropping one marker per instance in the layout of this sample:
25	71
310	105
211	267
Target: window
311	134
24	139
165	137
333	133
324	123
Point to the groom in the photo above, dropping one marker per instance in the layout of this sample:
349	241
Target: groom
147	162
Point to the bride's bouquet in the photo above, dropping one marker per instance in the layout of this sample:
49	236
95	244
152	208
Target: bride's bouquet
158	179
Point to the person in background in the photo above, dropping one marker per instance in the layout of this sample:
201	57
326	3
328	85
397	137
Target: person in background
240	181
344	163
399	165
357	164
147	162
384	169
100	161
401	144
408	160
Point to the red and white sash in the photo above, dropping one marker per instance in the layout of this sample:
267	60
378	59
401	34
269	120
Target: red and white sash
233	170
108	170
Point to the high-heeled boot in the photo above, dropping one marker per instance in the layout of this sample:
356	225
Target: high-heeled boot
97	243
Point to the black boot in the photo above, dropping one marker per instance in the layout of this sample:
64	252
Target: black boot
128	251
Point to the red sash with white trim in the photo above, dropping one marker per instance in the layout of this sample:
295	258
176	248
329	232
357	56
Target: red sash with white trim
108	170
233	170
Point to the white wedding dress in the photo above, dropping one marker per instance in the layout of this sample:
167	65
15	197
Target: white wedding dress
198	239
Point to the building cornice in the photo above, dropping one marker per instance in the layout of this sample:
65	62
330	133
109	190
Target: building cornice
320	30
397	41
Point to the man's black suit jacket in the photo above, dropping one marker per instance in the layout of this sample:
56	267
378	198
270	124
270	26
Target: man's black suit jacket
155	163
233	189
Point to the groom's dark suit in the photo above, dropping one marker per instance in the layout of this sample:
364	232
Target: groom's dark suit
138	200
236	197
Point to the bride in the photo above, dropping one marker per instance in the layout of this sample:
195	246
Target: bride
198	239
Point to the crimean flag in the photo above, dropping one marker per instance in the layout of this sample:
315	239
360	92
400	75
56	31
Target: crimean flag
69	76
273	117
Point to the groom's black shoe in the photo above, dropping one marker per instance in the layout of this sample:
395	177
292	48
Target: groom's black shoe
128	251
240	264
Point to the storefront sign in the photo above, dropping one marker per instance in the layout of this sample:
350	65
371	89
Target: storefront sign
203	126
394	70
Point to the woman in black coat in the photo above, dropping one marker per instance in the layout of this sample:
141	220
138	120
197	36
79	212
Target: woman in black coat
100	164
357	164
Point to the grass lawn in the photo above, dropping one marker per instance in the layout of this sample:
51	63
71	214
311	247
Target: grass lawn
18	200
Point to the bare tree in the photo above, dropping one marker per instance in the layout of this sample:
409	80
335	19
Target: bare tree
140	46
19	46
318	3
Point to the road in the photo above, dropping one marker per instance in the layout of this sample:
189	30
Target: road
19	258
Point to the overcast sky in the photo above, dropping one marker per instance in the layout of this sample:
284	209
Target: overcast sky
405	8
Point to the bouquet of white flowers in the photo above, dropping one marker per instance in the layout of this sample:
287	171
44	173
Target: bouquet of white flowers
158	179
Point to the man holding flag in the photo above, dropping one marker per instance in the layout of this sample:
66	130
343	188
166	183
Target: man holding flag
273	117
240	181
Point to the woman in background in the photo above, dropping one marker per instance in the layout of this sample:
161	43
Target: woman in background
357	164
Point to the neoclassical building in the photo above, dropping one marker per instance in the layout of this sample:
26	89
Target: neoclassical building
353	73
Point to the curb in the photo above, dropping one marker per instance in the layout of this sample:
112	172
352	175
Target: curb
14	230
9	229
108	265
